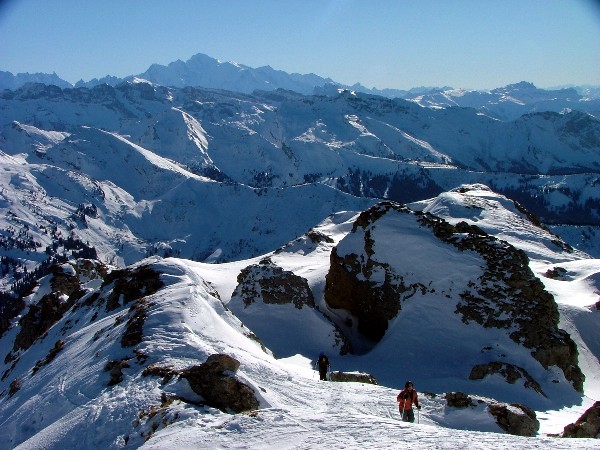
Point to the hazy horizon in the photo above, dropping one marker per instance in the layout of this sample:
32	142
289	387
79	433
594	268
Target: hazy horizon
392	44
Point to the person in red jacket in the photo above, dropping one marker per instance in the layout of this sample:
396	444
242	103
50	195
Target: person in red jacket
406	398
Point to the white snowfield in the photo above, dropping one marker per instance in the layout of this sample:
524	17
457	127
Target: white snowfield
69	405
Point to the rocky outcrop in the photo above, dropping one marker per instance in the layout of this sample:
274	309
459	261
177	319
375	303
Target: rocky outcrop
273	285
557	273
369	289
587	426
42	315
115	370
509	372
506	296
54	351
509	296
458	400
318	237
515	418
132	335
214	381
265	284
357	377
130	285
10	307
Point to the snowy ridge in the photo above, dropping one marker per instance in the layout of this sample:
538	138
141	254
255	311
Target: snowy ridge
145	228
191	315
126	152
510	102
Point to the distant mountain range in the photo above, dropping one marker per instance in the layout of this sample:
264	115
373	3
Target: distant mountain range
153	167
505	103
10	81
148	227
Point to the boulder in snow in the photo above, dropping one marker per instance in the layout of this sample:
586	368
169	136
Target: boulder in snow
515	418
359	377
213	381
587	426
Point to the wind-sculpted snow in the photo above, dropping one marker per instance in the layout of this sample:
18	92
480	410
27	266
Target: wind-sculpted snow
80	403
82	384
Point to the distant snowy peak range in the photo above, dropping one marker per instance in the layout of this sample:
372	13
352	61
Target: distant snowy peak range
505	103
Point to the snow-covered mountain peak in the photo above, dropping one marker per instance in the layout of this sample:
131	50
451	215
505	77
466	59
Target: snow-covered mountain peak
502	217
274	193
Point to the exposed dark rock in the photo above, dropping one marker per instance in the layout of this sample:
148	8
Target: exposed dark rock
213	380
507	295
273	285
47	311
167	373
38	319
587	426
511	297
140	356
515	419
58	346
556	273
458	399
349	285
116	370
91	268
156	417
137	316
41	316
509	372
353	377
10	307
130	285
317	236
219	363
64	282
14	387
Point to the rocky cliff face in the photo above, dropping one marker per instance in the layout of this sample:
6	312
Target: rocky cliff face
274	302
505	295
371	290
509	296
68	291
272	285
588	425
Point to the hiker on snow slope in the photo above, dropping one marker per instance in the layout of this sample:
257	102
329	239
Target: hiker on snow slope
323	366
406	398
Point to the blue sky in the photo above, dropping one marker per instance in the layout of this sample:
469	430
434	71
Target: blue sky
476	44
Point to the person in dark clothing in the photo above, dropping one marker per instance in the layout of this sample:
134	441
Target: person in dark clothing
406	398
323	366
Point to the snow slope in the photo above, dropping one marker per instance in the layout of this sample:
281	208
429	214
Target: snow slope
188	319
186	323
156	165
